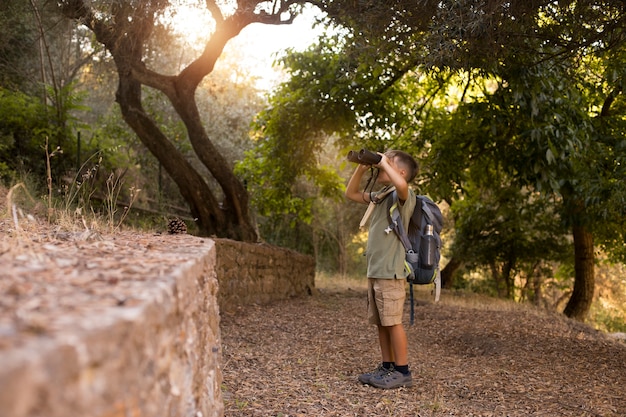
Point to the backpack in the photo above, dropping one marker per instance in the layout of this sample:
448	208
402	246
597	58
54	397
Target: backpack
422	243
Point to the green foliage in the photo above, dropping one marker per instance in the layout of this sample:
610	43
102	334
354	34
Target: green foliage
115	139
330	94
288	231
538	130
608	320
290	134
513	147
510	231
27	125
23	127
507	224
18	40
123	156
602	187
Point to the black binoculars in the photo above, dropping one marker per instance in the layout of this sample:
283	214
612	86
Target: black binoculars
364	157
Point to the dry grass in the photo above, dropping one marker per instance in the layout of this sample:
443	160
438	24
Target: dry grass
330	283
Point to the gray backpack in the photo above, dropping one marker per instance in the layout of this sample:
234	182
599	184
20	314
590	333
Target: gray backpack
422	243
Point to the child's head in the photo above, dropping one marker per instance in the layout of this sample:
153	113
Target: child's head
405	164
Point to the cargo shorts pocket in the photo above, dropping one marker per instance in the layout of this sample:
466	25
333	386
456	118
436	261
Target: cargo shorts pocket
390	295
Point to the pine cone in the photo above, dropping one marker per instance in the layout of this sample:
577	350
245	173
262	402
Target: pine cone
176	226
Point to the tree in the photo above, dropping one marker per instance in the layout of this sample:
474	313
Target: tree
537	125
125	29
18	51
38	59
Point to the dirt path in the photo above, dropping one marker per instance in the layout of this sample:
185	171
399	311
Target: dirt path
301	357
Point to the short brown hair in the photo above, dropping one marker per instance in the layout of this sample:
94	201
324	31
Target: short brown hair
407	162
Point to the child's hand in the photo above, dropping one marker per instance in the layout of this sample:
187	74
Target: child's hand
384	162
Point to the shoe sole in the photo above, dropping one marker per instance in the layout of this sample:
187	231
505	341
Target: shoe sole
407	384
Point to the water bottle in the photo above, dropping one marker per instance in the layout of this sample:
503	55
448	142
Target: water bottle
428	248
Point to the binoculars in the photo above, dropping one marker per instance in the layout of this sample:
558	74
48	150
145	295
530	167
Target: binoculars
364	157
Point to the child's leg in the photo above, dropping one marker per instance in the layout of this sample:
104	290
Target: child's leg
399	375
398	342
386	303
393	344
384	339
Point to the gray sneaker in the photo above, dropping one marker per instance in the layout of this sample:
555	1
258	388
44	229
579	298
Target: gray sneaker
365	378
391	379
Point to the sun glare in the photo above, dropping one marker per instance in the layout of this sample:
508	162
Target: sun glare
260	44
193	24
255	47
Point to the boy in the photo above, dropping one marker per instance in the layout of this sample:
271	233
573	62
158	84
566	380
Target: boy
385	266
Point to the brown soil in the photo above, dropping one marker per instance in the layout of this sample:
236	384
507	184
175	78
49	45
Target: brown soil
301	357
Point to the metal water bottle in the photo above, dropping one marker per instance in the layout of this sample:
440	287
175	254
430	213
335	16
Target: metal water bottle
428	248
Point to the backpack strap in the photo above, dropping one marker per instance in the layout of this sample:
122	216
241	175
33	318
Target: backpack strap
398	228
427	210
437	284
379	197
396	223
412	316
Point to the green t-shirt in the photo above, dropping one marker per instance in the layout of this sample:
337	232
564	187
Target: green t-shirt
385	253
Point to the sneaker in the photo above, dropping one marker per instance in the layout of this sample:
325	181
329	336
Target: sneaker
391	379
365	378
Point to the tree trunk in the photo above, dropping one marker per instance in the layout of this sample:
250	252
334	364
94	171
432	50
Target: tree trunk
125	34
509	283
535	281
498	278
447	273
584	282
235	210
192	186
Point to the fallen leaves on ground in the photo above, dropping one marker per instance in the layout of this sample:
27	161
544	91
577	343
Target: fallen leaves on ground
301	357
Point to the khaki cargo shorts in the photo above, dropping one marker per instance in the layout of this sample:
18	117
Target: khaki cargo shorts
385	301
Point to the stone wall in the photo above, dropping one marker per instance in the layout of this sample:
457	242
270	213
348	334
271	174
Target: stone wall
114	327
130	326
261	273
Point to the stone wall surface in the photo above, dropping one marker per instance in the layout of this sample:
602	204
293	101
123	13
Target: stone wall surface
135	333
128	326
261	273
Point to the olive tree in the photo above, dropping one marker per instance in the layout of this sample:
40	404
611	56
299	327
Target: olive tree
125	28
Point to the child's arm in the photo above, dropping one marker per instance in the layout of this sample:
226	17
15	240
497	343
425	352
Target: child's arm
352	189
396	176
